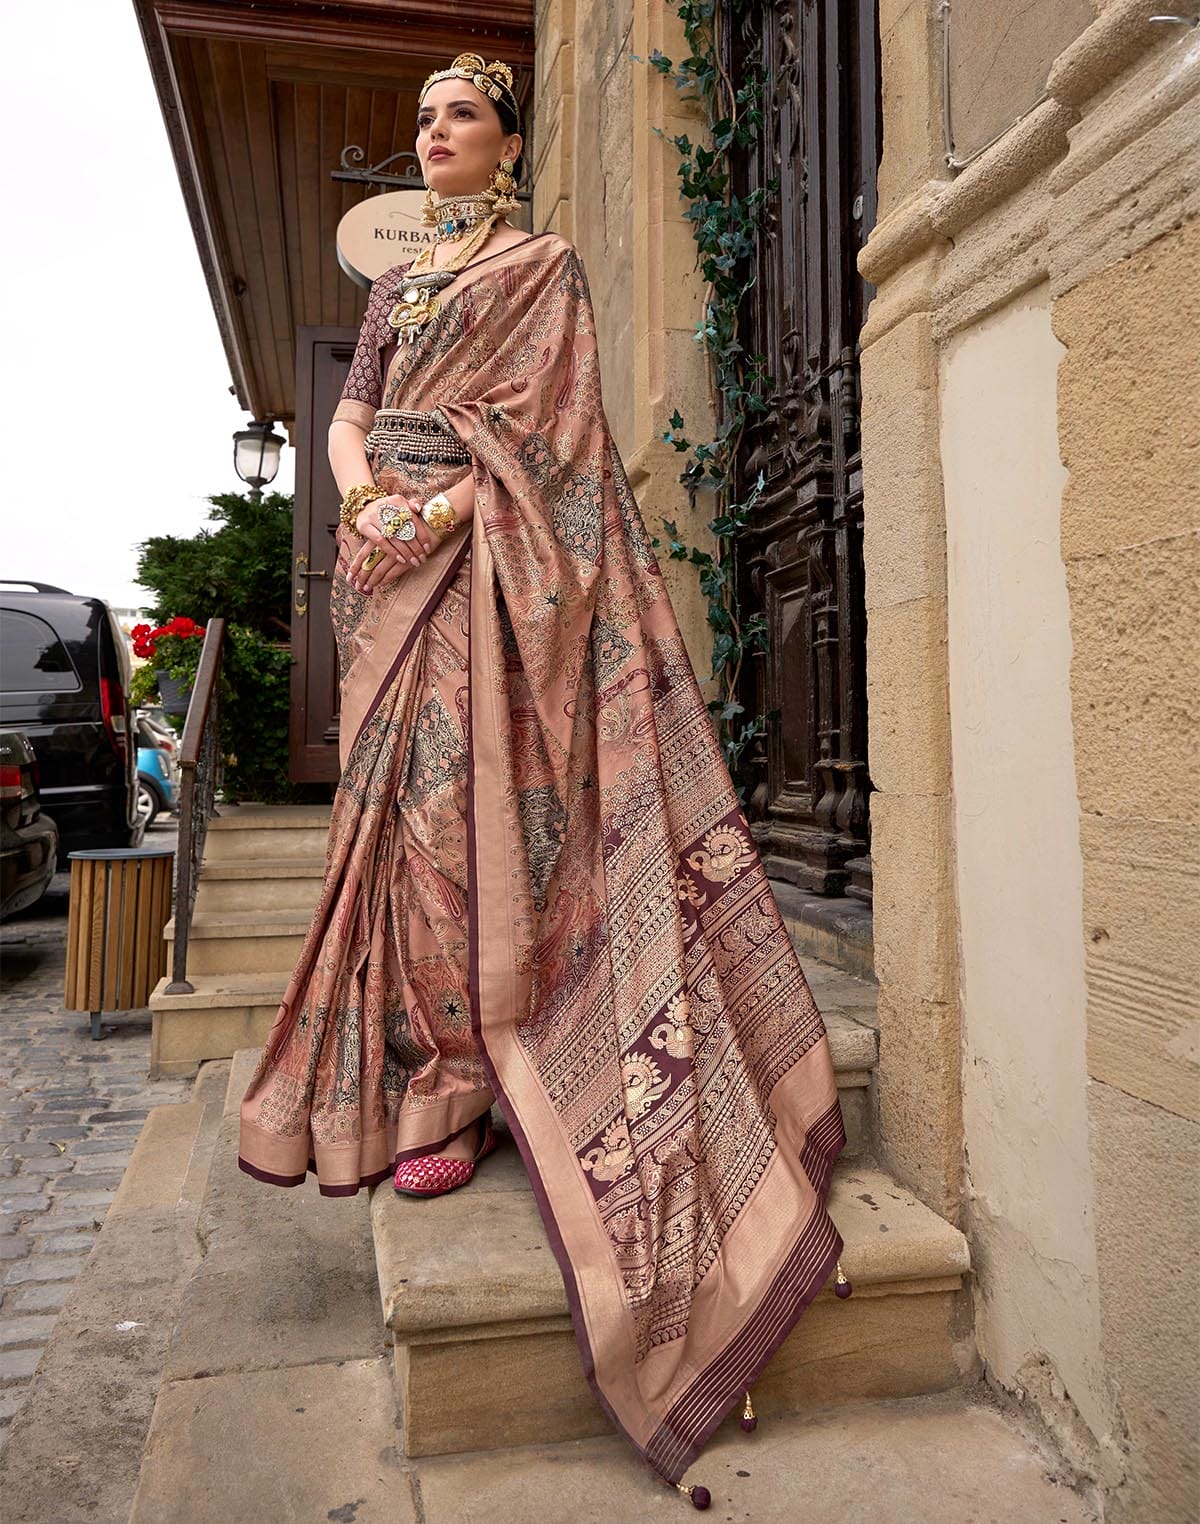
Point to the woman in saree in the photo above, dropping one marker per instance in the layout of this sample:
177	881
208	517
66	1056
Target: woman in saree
540	889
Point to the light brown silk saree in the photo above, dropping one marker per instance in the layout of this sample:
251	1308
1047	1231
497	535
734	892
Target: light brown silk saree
540	888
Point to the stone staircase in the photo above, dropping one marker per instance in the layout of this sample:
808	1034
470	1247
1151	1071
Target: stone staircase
258	885
257	1380
470	1296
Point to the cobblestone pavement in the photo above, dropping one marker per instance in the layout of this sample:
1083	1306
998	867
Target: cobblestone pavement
70	1112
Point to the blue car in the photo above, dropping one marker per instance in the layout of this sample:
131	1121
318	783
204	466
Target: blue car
156	773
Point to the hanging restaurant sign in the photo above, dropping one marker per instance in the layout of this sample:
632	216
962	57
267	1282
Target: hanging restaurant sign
379	232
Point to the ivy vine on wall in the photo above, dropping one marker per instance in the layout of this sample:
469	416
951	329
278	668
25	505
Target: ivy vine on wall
724	225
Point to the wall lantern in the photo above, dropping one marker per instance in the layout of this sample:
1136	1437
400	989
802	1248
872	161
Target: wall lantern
256	452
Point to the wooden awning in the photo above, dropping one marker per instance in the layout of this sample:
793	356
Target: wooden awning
259	101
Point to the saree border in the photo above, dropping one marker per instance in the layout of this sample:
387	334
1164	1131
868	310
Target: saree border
503	1099
806	1264
420	618
452	288
812	1259
364	1182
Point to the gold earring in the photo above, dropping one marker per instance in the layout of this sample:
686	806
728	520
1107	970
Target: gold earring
503	185
428	209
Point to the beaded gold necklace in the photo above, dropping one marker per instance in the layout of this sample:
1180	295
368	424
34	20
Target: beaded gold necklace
418	304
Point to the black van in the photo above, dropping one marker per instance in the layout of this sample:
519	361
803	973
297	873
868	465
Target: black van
64	681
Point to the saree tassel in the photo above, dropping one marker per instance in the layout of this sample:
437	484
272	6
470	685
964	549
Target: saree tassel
842	1286
700	1496
749	1421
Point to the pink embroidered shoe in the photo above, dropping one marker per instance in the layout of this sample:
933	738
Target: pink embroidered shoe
433	1175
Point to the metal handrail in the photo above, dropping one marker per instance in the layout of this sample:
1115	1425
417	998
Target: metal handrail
200	764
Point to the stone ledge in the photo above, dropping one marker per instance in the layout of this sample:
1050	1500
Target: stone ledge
222	1016
271	817
220	991
479	1258
263	867
287	1276
243	923
838	931
474	1302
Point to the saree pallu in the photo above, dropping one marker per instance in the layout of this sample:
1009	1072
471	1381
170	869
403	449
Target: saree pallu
535	817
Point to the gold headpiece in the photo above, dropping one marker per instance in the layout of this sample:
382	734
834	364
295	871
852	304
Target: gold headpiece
494	79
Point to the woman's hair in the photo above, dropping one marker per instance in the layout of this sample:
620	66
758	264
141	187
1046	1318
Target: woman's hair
510	122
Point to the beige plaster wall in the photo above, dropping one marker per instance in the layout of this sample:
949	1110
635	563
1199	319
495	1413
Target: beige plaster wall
1019	872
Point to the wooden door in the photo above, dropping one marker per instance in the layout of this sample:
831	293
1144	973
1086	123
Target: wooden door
801	561
323	356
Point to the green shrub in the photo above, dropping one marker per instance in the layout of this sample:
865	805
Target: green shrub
240	572
254	727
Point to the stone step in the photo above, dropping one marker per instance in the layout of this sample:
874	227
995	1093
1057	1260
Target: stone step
947	1458
474	1301
74	1449
242	941
267	831
836	929
225	1012
849	1007
276	1355
275	883
280	1316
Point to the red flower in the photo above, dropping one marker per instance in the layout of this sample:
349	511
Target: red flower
182	627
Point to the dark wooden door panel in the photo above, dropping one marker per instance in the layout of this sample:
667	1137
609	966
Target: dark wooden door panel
323	356
801	560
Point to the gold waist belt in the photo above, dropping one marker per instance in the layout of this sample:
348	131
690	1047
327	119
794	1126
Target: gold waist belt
424	438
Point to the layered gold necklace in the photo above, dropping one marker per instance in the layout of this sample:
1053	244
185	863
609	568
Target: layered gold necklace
418	304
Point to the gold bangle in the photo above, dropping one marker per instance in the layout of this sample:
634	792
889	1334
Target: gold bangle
438	513
355	500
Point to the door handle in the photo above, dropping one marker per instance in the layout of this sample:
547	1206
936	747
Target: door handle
303	577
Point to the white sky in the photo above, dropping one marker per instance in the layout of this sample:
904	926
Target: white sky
114	389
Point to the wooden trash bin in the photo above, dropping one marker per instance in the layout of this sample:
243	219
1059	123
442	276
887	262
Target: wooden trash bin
120	904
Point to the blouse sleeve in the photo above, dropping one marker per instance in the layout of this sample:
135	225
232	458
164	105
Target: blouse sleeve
363	391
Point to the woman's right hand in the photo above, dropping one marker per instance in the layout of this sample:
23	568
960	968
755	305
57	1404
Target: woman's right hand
398	556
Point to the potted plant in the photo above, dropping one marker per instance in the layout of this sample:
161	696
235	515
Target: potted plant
174	649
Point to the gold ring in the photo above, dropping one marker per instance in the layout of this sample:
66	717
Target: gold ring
397	523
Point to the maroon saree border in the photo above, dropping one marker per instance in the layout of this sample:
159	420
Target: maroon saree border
364	1181
816	1251
715	1391
266	1176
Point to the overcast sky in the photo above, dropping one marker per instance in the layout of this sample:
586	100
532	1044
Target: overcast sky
118	419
